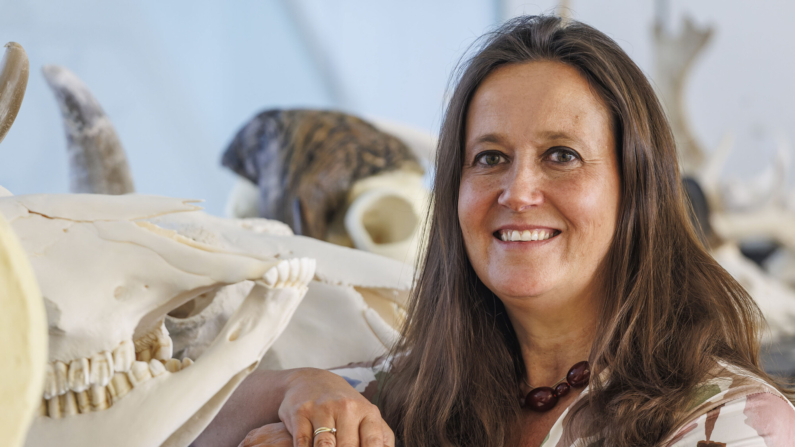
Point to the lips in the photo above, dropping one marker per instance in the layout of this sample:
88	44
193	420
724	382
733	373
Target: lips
510	235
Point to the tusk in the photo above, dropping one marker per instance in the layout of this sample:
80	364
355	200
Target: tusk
97	162
14	71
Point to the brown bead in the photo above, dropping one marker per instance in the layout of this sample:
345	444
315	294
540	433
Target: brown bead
579	374
541	399
562	389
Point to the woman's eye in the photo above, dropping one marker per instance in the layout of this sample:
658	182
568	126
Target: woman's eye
563	156
490	159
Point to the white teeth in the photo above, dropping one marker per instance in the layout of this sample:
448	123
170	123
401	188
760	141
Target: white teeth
173	365
42	408
50	387
139	373
295	271
61	377
156	368
101	368
143	356
123	356
164	348
526	235
270	277
119	386
68	404
283	268
54	407
99	398
84	401
79	375
186	362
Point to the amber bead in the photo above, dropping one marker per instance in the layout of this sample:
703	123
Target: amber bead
579	375
541	399
562	389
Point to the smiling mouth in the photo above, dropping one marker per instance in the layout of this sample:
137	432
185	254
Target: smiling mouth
525	236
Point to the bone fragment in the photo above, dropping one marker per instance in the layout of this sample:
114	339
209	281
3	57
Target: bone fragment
68	404
123	356
139	373
97	162
156	367
99	398
79	375
83	402
14	70
54	407
101	368
173	365
119	386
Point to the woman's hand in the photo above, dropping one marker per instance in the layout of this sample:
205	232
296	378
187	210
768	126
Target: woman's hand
271	435
317	398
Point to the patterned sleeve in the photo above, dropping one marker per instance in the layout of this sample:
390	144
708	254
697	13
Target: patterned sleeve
755	420
367	377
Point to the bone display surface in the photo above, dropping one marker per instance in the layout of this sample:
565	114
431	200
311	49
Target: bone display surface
111	269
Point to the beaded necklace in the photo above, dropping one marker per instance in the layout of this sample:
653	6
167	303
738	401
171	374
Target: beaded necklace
544	398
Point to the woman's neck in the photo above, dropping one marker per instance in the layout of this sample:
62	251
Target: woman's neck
554	333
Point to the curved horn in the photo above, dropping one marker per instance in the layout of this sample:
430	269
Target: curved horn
14	71
97	162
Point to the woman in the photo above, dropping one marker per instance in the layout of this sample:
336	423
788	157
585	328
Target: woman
558	234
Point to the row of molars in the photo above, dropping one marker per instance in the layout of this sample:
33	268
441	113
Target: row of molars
94	384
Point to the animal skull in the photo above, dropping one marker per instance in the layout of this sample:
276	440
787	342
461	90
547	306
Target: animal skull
109	276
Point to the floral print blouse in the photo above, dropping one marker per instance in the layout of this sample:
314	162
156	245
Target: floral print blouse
731	409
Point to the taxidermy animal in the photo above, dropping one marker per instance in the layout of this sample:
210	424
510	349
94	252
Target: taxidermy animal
97	162
306	161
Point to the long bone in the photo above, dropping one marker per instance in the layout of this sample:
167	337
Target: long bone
97	162
14	71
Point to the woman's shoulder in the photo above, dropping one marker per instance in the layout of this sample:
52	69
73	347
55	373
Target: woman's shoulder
735	406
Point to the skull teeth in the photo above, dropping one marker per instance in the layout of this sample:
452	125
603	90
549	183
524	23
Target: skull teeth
95	383
290	273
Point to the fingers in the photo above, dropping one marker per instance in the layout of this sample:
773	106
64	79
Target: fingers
389	435
371	432
271	435
301	430
326	439
347	431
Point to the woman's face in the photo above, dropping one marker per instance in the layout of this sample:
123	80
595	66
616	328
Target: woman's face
540	187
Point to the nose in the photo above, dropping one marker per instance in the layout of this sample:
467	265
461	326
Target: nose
522	189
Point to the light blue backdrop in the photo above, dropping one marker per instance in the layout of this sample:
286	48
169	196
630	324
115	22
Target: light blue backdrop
178	78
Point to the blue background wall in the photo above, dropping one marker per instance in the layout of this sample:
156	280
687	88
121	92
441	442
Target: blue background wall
178	78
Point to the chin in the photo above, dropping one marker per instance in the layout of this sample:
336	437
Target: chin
513	286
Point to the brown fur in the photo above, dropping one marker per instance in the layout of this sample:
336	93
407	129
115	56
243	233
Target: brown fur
305	161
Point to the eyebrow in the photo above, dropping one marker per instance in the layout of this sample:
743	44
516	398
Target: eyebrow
549	135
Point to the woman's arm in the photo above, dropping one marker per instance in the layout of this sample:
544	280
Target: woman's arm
304	399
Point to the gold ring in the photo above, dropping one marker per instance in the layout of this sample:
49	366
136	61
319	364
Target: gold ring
320	430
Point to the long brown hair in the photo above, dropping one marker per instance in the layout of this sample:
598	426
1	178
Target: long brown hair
670	311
